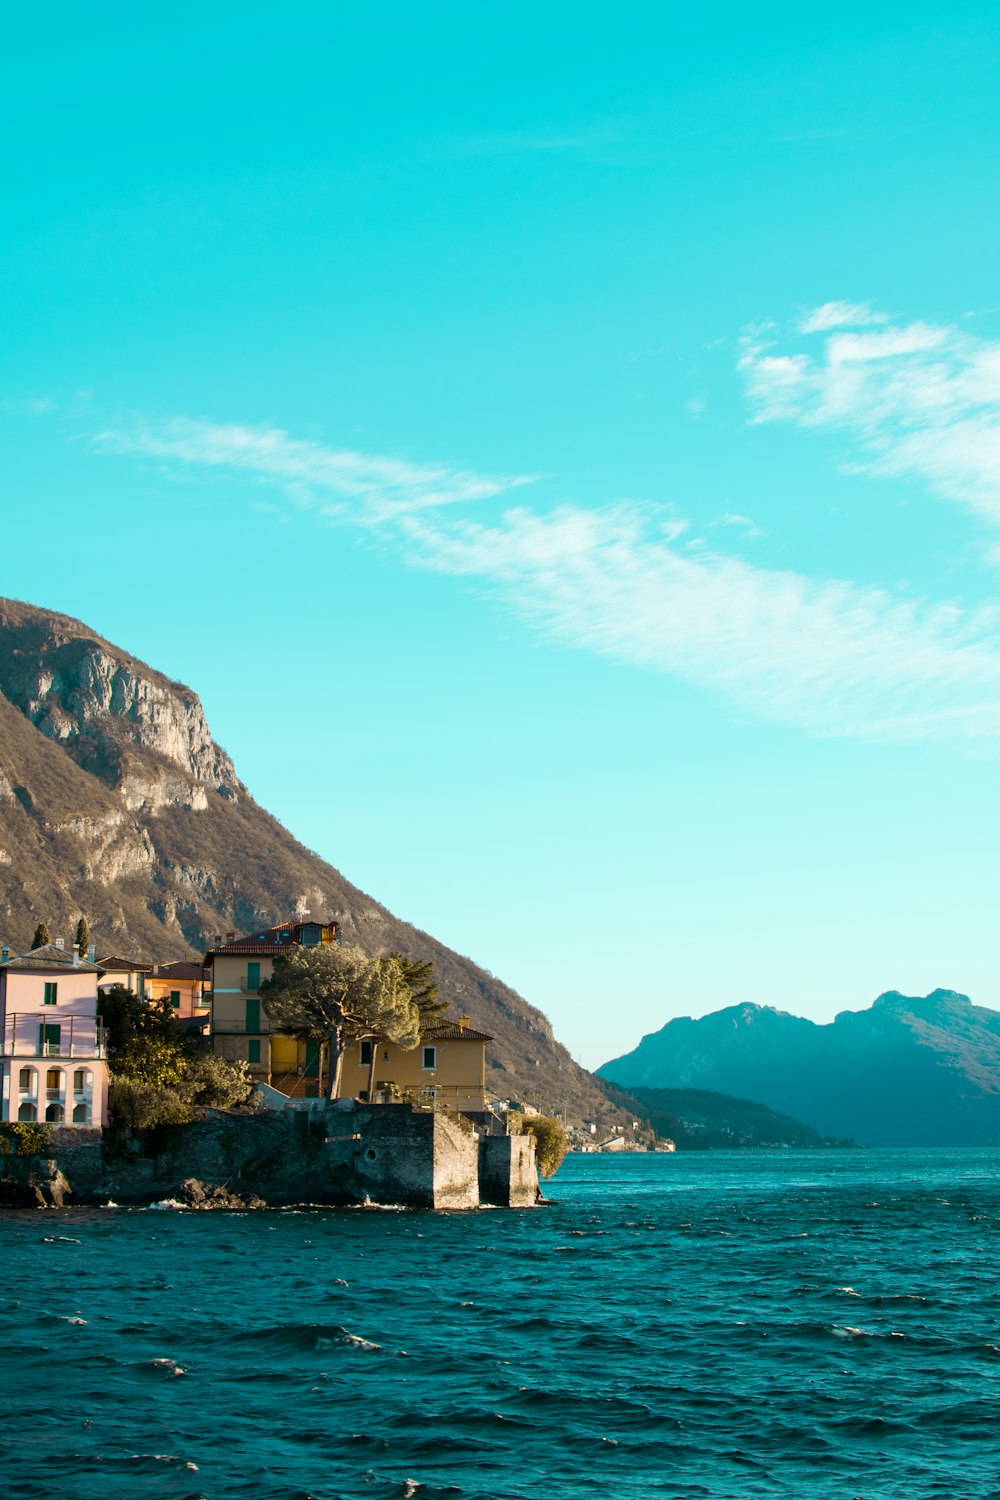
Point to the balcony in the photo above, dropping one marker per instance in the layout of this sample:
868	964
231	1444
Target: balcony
27	1035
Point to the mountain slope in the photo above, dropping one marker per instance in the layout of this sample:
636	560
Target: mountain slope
910	1071
116	802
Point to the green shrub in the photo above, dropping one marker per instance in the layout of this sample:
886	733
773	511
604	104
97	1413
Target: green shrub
215	1083
550	1143
146	1106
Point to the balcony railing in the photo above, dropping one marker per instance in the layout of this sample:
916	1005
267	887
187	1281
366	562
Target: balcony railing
27	1035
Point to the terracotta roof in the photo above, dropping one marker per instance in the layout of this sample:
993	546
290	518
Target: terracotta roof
450	1031
49	958
269	940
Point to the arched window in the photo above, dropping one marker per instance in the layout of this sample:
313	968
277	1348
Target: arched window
26	1080
27	1111
55	1114
82	1080
81	1114
54	1081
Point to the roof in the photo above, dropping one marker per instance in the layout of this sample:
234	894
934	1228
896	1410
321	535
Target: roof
450	1031
270	940
133	965
179	970
50	957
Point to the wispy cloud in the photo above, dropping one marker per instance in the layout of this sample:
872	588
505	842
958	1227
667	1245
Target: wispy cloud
840	315
337	481
635	583
829	658
918	400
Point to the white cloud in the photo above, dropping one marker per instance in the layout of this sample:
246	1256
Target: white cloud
632	583
840	315
339	481
919	401
826	657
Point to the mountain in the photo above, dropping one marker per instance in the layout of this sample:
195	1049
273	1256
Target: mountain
696	1119
909	1071
116	802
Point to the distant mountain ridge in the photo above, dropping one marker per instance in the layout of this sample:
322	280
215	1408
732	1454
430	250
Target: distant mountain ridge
909	1071
116	802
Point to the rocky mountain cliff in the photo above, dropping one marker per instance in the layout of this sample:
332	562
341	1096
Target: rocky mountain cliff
910	1071
116	802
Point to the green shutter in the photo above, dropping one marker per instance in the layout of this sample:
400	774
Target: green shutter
253	1015
175	999
253	1052
48	1036
312	1057
253	976
50	993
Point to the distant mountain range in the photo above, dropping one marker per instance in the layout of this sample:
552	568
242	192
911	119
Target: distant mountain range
910	1071
115	802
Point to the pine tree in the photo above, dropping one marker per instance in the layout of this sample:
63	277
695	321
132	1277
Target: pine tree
423	987
41	936
82	938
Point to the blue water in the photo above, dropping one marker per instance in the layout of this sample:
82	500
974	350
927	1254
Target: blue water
724	1325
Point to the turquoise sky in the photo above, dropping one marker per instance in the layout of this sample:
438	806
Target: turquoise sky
561	445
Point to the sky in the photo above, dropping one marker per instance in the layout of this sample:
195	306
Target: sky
561	446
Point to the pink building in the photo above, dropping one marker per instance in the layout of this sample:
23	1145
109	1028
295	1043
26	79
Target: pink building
53	1051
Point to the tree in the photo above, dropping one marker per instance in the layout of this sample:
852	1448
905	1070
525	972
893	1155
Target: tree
334	994
211	1081
550	1143
82	938
41	937
424	990
129	1020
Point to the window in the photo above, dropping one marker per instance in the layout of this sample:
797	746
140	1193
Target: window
81	1113
27	1111
175	999
53	1081
253	976
26	1080
49	1039
55	1114
366	1054
253	1052
430	1057
50	993
253	1015
81	1081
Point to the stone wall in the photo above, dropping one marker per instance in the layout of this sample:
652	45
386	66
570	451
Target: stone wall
507	1173
343	1154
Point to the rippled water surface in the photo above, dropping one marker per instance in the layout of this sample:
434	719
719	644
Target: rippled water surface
726	1325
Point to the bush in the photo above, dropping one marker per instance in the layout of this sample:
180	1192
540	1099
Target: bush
211	1081
26	1138
145	1106
550	1143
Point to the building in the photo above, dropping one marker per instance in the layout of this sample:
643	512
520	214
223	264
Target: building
127	972
448	1067
240	1029
53	1057
182	985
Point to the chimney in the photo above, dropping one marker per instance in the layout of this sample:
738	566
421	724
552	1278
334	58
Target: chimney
60	943
4	954
92	953
463	1021
76	953
230	937
218	940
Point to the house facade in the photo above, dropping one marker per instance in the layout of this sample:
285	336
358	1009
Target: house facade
54	1065
182	986
447	1067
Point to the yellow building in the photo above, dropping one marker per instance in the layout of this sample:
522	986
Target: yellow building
449	1065
182	985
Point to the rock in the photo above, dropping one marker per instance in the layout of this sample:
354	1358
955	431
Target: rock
195	1194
